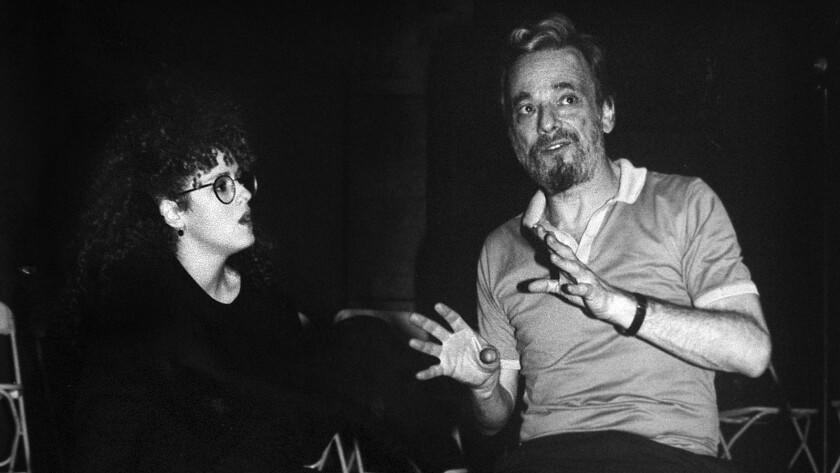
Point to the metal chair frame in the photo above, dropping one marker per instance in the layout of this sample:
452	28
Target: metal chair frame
347	464
398	319
12	394
746	417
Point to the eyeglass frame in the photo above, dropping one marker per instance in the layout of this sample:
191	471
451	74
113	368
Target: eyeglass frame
222	177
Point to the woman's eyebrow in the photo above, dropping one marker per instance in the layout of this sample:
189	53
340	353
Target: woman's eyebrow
227	172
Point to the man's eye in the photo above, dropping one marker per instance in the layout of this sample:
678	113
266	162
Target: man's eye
569	100
526	109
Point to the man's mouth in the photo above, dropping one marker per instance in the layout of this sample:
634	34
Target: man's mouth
555	145
550	144
246	218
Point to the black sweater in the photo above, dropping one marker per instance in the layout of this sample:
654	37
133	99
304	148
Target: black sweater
176	381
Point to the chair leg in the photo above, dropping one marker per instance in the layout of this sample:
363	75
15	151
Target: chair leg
727	445
803	432
359	456
18	430
724	446
836	466
347	463
24	432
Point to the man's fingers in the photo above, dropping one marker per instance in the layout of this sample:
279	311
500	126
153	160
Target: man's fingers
428	348
551	286
452	318
568	267
552	242
558	247
430	326
540	231
581	290
429	373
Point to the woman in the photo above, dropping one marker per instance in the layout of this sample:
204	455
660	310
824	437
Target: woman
193	360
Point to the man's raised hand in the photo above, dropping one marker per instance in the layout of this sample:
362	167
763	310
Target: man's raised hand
463	354
578	284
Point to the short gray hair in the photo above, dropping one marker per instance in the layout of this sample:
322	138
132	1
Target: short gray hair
555	31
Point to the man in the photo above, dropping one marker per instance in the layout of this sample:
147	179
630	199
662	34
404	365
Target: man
615	296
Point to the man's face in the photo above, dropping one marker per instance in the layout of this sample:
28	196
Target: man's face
556	127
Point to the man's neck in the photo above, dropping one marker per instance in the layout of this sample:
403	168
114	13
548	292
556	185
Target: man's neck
572	209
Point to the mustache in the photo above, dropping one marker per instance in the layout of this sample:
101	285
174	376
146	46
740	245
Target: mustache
544	141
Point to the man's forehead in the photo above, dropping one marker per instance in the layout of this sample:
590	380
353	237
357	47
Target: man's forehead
554	68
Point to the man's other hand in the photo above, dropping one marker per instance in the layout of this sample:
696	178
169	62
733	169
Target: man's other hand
463	354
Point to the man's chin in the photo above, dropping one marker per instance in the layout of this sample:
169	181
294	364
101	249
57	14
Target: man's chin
561	180
555	188
557	157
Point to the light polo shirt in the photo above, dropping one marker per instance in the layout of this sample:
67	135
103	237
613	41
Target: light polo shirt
666	236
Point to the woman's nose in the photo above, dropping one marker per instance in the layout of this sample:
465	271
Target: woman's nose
243	192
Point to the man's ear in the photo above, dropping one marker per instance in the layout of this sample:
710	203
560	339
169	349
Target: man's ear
608	115
171	213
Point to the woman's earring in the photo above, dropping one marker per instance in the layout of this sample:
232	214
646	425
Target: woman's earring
180	232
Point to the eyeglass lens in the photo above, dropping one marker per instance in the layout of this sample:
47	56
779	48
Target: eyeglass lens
225	187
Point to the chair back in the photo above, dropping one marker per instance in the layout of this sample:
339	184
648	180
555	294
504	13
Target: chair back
7	322
763	401
397	319
736	390
11	393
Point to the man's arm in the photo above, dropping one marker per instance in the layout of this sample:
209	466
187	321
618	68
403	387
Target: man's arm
493	407
728	335
460	354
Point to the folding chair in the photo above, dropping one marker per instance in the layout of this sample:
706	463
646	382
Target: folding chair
748	416
346	464
399	323
398	319
12	394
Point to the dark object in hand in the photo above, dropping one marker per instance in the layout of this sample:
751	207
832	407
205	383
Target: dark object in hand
488	355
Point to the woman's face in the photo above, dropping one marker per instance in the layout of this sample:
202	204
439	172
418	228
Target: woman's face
211	226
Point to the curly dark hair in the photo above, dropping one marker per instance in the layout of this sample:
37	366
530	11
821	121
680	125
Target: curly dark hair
152	155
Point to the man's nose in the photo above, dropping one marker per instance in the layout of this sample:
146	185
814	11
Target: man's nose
547	120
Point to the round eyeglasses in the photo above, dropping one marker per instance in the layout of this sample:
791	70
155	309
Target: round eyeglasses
224	186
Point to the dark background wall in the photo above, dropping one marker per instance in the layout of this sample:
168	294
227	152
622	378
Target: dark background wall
384	157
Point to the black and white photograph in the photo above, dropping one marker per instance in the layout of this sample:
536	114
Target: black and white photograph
421	236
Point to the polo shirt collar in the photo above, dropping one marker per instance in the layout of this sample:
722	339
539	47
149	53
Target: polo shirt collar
630	184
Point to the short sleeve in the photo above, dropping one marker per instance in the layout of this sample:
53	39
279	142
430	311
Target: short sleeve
493	324
712	264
